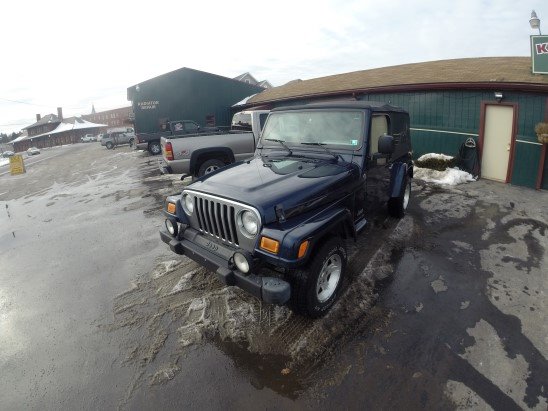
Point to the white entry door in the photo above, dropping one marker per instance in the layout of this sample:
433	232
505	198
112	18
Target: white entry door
497	140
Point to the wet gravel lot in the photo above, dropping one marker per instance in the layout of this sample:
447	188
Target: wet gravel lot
444	309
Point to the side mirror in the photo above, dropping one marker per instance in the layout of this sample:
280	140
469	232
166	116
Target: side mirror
386	144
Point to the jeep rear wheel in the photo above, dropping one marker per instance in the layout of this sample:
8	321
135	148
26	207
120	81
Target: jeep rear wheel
210	166
398	205
316	288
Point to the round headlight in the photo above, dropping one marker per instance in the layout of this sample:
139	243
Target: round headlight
241	262
250	223
188	203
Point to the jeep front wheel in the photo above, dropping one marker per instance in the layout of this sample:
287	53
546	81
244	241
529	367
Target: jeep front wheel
316	288
109	145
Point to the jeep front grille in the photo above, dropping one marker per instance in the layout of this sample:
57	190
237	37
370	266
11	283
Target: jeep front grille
217	219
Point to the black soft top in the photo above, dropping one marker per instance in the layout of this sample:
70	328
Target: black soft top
360	104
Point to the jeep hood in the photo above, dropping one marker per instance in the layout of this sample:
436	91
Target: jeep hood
294	183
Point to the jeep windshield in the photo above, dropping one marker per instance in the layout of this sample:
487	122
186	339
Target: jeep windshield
335	129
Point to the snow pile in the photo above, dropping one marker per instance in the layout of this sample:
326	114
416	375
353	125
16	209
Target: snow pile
450	177
4	161
434	156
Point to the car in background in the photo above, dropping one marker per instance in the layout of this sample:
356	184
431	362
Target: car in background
7	154
33	151
115	138
88	138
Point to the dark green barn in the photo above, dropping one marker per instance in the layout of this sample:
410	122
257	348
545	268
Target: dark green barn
497	101
186	94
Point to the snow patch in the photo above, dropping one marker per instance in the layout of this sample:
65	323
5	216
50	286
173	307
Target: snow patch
4	161
450	177
435	156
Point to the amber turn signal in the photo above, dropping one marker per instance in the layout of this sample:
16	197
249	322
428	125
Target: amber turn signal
302	249
270	245
171	208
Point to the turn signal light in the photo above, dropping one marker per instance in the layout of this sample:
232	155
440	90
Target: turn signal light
270	245
302	249
171	208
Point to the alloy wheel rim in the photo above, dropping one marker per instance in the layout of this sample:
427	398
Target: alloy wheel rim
211	169
329	277
406	195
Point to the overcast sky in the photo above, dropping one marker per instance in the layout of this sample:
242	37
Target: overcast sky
73	54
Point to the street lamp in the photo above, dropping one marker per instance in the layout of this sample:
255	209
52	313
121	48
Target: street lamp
534	21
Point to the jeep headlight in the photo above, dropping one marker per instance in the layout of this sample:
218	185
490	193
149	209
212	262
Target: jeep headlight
248	223
188	203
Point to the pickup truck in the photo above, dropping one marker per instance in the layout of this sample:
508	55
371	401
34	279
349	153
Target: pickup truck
151	141
199	154
88	138
318	172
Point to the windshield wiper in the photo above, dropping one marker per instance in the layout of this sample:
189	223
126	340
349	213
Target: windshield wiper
322	145
282	142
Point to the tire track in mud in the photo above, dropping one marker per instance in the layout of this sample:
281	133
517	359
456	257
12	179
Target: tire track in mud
181	305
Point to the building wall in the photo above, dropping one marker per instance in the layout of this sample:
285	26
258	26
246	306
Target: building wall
186	94
43	128
118	117
67	137
442	120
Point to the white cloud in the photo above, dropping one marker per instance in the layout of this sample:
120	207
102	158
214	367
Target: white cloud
73	54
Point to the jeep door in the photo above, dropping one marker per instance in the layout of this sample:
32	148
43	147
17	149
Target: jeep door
377	165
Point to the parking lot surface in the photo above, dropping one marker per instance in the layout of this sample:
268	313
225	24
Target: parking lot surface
444	309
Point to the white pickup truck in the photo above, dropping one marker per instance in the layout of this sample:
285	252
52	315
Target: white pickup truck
199	154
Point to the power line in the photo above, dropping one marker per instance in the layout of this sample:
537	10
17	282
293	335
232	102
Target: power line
39	105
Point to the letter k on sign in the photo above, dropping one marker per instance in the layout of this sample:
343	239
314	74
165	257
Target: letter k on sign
542	48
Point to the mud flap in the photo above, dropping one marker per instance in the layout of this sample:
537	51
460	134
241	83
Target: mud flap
397	180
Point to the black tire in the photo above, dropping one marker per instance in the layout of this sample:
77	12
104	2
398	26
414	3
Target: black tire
209	166
398	205
154	148
132	143
308	297
109	145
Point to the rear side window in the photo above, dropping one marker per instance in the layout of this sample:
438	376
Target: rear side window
379	126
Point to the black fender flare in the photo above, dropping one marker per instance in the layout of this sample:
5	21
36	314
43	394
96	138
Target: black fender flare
314	230
398	172
223	151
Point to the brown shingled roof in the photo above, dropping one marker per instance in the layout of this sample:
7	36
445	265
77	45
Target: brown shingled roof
469	71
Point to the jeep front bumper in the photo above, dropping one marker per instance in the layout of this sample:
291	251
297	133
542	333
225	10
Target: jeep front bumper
268	289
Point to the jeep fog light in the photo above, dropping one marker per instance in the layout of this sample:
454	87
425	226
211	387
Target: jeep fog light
172	227
241	262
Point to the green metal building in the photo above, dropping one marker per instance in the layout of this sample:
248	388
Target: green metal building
497	101
186	94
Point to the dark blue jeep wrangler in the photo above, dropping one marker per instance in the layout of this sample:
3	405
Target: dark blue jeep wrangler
316	171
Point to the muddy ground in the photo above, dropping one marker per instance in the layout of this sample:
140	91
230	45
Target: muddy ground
443	309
